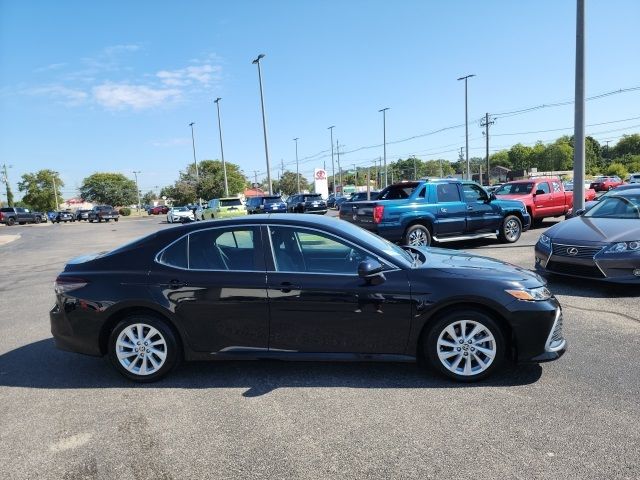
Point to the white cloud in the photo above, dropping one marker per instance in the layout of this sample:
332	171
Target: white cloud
117	96
51	67
172	142
115	49
68	96
198	74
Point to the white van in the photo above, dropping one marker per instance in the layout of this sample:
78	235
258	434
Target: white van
634	178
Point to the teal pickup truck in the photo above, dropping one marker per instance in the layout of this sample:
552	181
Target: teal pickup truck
420	212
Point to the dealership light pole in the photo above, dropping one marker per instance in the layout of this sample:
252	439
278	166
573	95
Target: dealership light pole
384	141
333	165
578	133
224	166
193	143
297	166
136	172
466	124
264	122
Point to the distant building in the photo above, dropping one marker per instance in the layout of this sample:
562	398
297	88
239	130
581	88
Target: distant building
76	204
253	192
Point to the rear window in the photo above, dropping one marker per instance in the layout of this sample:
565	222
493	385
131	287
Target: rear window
447	192
270	200
7	210
232	202
398	192
312	197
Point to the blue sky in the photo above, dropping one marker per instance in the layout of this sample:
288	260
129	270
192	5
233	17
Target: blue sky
112	86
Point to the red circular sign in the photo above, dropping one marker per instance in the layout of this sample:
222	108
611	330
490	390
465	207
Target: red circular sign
321	175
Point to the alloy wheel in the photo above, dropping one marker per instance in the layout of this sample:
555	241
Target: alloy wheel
466	347
141	349
512	230
417	238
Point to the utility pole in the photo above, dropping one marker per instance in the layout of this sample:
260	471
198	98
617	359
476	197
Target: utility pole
415	169
224	166
264	122
384	141
136	172
486	124
466	123
255	178
368	183
579	133
440	162
297	166
461	157
333	167
355	170
55	190
5	178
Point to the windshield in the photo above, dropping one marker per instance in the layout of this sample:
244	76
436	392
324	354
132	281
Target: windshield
180	209
312	198
617	206
231	202
270	200
398	192
515	189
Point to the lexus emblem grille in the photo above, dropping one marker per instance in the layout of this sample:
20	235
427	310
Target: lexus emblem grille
572	251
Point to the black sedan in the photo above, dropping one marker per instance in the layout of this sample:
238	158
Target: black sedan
64	216
300	287
602	243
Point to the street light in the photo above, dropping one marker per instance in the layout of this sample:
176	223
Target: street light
264	122
384	138
136	172
466	124
333	165
297	169
224	166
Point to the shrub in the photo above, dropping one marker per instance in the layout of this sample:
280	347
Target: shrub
617	169
125	211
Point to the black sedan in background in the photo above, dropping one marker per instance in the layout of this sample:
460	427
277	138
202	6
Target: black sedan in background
306	203
266	204
602	243
64	216
300	288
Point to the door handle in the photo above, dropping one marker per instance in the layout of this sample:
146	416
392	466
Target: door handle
177	284
469	207
286	287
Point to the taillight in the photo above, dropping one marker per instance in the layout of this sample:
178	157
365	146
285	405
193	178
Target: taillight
68	284
1	216
378	212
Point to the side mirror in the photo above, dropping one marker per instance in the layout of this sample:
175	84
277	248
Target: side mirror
540	192
492	196
580	212
371	270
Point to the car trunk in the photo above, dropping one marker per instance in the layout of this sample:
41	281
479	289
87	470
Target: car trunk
359	213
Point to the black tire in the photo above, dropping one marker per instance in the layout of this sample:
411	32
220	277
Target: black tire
38	220
22	223
431	349
115	219
537	222
11	222
417	235
510	230
107	220
91	220
99	219
172	351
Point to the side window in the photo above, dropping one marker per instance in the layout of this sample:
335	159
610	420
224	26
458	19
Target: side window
556	186
448	192
175	255
223	249
474	193
308	251
423	192
544	186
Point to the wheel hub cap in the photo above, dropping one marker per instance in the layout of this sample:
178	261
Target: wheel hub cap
141	349
466	347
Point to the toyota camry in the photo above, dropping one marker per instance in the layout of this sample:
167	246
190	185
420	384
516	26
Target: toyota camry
300	287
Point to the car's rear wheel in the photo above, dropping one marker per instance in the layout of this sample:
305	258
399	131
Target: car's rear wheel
465	345
510	230
143	348
38	220
417	236
11	222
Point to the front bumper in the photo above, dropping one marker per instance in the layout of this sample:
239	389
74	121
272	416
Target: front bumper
604	267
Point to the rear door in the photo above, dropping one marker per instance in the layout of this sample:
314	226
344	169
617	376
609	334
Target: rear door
451	213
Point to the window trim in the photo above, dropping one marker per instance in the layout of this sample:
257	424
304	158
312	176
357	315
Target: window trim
392	267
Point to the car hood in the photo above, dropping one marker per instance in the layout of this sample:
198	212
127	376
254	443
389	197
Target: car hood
478	267
597	231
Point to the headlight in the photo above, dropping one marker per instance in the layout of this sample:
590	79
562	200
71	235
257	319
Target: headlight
621	247
544	240
531	294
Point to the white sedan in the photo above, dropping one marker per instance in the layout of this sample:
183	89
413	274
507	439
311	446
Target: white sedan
177	214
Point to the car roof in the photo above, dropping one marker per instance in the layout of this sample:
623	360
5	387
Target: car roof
628	190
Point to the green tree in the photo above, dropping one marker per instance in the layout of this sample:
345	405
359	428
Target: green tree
39	189
520	157
617	169
180	193
558	156
149	197
288	184
500	159
109	188
211	184
627	145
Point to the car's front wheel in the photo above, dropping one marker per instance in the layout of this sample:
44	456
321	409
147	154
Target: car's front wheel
510	230
143	348
465	345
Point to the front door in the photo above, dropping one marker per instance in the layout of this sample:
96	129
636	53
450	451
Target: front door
214	281
451	213
319	303
482	215
543	199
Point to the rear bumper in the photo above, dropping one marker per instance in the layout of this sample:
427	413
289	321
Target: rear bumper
73	338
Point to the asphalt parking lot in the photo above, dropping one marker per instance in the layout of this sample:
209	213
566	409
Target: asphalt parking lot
68	416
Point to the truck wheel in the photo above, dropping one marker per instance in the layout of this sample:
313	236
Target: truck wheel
38	220
115	219
417	236
99	219
91	220
11	222
510	230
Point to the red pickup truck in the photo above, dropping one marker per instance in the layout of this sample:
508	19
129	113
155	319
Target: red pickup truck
543	197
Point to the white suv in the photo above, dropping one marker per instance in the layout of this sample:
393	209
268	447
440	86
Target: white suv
634	178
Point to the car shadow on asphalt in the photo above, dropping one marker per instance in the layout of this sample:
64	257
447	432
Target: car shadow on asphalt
578	287
41	365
